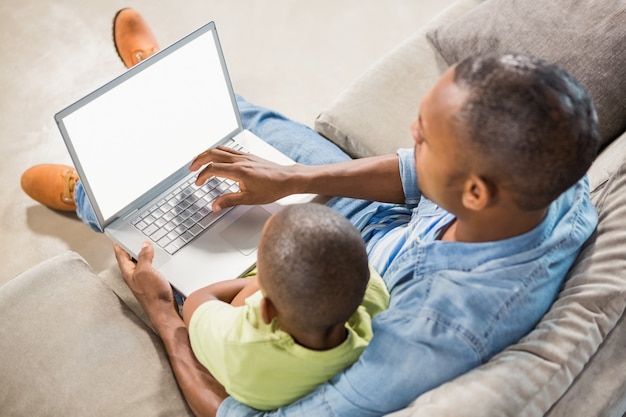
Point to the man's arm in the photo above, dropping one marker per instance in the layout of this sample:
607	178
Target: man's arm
260	181
202	392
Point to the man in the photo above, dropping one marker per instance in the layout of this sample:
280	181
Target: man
481	221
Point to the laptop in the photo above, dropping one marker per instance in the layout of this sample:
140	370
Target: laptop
132	141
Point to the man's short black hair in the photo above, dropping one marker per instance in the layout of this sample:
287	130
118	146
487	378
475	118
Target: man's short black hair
528	123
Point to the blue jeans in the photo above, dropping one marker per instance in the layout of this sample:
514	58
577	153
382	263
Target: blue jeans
299	142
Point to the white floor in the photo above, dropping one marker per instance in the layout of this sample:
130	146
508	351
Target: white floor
292	56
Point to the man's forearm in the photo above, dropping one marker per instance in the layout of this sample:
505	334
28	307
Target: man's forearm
375	179
201	390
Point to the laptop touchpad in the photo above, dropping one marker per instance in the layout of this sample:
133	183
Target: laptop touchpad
245	232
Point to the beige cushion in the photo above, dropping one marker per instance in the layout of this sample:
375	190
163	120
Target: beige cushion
600	390
586	37
530	376
373	116
88	355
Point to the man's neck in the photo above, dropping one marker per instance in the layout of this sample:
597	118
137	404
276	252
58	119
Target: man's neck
493	227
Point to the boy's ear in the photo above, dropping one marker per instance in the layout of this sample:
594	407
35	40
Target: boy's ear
268	311
478	193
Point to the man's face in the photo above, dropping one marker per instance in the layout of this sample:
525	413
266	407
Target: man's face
438	155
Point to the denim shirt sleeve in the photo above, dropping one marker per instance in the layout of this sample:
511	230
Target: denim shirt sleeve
408	176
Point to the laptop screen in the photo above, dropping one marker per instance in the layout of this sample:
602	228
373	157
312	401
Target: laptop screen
142	127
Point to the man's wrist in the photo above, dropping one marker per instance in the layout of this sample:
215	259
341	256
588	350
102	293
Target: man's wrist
164	317
298	179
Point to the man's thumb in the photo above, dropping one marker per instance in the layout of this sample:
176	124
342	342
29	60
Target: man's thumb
228	200
147	252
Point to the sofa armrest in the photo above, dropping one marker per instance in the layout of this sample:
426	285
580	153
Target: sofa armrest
70	346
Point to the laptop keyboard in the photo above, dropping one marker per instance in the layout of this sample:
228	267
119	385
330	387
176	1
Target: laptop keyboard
185	212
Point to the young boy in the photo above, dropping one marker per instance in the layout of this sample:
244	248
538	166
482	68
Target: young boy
309	320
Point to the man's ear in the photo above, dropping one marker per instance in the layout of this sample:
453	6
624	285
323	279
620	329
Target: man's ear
478	193
268	311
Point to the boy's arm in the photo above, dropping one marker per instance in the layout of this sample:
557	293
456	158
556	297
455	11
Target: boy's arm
225	291
251	287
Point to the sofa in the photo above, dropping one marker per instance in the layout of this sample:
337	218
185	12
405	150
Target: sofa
75	342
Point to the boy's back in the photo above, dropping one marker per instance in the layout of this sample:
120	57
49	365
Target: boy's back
261	365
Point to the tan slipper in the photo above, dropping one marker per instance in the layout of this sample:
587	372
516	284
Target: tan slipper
51	185
132	37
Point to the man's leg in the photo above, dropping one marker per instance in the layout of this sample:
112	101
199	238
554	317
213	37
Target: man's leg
297	141
134	41
84	211
58	186
305	146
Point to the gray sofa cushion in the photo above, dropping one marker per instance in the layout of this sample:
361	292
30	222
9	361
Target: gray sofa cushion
85	356
586	37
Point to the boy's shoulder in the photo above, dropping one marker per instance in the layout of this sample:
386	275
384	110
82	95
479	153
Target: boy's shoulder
376	299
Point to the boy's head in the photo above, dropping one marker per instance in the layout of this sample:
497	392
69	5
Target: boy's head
520	124
312	267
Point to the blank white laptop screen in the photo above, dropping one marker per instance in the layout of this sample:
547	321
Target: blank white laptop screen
135	135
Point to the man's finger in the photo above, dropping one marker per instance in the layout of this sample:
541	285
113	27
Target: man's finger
219	154
215	169
205	174
229	200
146	255
221	203
199	161
123	260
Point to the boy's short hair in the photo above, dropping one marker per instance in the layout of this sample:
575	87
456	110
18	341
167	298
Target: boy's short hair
528	122
313	266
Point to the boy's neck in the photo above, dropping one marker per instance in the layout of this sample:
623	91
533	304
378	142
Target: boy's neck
322	340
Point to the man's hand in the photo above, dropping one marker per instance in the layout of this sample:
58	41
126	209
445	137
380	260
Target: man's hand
375	178
260	181
149	287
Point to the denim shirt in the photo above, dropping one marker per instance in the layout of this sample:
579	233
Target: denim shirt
453	305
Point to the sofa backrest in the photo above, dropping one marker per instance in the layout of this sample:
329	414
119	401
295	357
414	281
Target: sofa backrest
373	116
